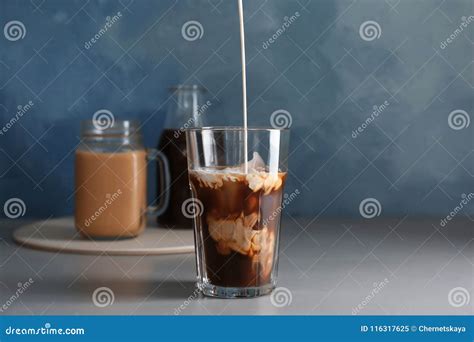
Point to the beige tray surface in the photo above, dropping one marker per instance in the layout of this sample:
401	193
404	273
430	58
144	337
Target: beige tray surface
60	235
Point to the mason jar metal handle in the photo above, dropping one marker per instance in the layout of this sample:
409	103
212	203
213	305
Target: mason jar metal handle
163	193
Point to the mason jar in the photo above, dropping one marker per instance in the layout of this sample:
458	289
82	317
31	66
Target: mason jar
111	179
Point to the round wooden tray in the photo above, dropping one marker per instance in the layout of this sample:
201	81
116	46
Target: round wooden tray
60	235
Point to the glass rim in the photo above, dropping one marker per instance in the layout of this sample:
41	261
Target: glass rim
237	128
116	127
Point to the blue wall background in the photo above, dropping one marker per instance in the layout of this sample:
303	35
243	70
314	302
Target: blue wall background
320	70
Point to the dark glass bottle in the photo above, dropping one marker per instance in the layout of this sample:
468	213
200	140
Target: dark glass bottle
185	110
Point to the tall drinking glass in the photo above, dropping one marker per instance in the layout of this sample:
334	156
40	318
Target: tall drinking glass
236	205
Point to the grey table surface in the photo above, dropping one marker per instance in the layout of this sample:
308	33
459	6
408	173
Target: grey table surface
327	267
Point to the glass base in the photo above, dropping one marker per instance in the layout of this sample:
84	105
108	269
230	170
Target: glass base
234	292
